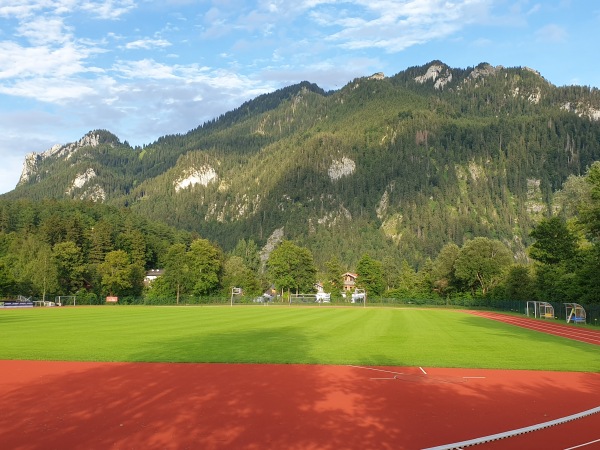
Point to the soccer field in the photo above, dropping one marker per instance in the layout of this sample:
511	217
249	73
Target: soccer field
259	334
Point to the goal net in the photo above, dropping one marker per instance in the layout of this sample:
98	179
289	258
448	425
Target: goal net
65	300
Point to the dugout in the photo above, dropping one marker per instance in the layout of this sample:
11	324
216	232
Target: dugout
574	313
543	310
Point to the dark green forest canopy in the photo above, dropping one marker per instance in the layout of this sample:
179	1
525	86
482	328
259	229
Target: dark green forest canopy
420	164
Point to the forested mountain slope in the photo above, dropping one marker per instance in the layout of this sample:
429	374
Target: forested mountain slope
390	166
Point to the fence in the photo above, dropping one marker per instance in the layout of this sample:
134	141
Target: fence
515	306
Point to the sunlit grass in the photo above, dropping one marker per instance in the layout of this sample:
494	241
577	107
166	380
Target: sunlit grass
378	336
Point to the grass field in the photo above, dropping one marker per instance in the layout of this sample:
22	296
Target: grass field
258	334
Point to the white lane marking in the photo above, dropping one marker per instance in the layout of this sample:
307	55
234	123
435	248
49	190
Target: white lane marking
583	445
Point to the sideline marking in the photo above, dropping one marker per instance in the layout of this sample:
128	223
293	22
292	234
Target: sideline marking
373	368
401	376
507	434
583	445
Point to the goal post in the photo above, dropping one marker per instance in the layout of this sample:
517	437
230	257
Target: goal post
235	291
62	300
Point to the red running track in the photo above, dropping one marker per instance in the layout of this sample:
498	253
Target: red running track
90	405
567	331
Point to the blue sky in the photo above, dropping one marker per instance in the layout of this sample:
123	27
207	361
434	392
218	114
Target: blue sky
142	69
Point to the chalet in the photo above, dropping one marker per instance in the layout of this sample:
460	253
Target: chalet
349	281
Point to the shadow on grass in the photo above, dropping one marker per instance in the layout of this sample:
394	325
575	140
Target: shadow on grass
262	345
538	350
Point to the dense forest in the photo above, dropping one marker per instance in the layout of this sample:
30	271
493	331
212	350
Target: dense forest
403	170
51	248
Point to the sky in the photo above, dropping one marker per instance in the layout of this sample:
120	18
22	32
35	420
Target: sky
147	68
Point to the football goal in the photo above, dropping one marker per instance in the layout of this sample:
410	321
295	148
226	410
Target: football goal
62	300
542	310
574	313
303	298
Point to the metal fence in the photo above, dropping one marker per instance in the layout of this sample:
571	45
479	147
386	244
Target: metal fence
514	306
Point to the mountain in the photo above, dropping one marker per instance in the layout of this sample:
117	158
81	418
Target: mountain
391	166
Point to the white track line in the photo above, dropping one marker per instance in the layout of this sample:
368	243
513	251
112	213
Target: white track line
507	434
423	370
583	445
373	368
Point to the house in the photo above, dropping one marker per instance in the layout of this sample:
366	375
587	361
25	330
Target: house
349	281
152	275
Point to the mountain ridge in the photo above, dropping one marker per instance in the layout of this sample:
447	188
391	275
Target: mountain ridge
430	155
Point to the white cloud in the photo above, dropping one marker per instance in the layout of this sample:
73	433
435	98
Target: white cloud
44	30
52	90
109	9
104	9
145	68
394	25
20	62
552	33
147	44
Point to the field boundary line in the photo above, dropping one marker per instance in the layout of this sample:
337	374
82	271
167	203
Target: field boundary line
583	445
518	431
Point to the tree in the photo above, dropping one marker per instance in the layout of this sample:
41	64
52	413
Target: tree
334	273
408	280
133	242
591	211
101	238
177	270
519	283
370	275
292	267
554	243
249	253
7	282
119	275
205	261
43	271
69	265
237	274
480	263
391	272
443	275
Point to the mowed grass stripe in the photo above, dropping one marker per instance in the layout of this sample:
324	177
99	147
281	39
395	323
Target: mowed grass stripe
273	334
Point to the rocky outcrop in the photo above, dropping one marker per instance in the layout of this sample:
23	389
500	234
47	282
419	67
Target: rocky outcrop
343	168
437	73
33	159
193	176
582	110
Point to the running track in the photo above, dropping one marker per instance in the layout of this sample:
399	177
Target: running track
570	332
113	406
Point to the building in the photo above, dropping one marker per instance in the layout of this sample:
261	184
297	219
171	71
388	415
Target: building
152	275
349	281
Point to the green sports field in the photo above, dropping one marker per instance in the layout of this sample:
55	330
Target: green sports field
259	334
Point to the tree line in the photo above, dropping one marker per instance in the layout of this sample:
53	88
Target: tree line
52	247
